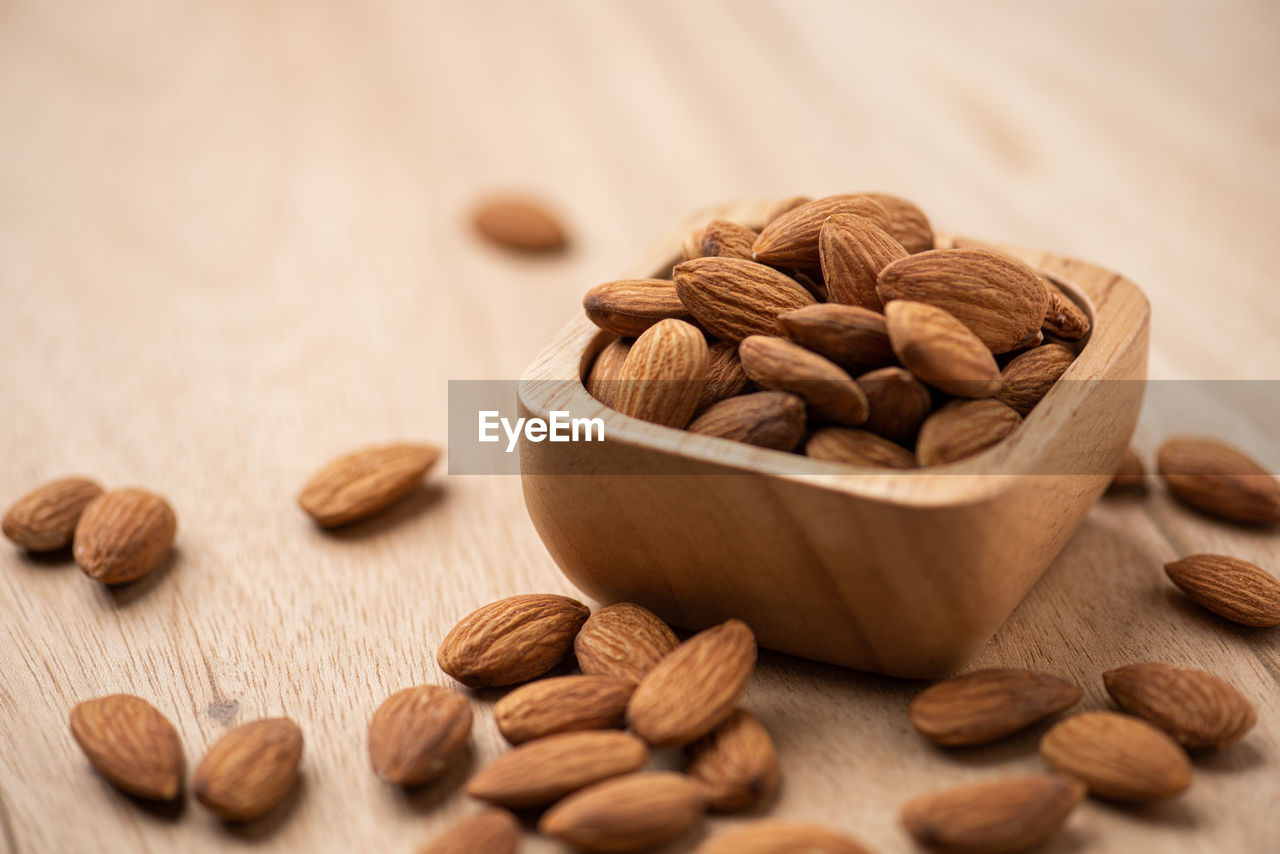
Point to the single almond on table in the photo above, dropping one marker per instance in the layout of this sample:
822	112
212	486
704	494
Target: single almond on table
1219	480
663	376
512	640
124	534
131	744
724	239
986	705
1027	379
1229	587
416	733
631	813
999	299
779	837
1119	757
853	250
791	240
1130	474
1063	318
519	222
630	306
1198	709
782	206
250	769
623	640
766	419
899	404
544	771
854	338
941	350
736	763
44	519
725	377
359	484
857	448
962	429
606	371
1002	817
493	831
694	689
562	704
829	393
907	223
734	298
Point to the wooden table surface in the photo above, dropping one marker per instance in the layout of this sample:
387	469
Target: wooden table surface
233	243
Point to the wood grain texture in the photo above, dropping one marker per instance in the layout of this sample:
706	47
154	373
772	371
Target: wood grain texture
234	243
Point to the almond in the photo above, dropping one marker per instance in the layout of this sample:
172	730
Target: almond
623	640
815	286
694	689
987	705
1130	474
359	484
829	393
45	518
725	377
791	240
562	704
663	376
766	419
853	250
250	769
724	239
854	338
1027	379
416	733
692	246
1063	318
734	298
857	448
1217	479
899	404
630	813
1198	709
1120	758
962	429
131	744
494	831
630	306
782	206
907	223
941	350
544	771
1001	300
1229	587
124	534
736	763
512	640
519	222
1001	817
606	370
779	837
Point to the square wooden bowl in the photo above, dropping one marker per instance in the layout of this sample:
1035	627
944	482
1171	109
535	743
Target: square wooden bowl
906	574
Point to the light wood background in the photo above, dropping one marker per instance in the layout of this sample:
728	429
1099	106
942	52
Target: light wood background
233	243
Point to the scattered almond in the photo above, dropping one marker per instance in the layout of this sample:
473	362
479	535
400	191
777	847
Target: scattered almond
416	733
779	837
1063	318
1002	817
664	374
857	448
791	240
512	640
724	239
734	298
250	769
1198	709
359	484
854	338
725	377
1130	474
630	813
519	222
131	744
907	223
940	350
962	429
829	393
630	306
1229	587
853	250
606	371
494	831
1027	379
544	771
562	704
44	519
736	763
124	534
767	419
899	404
1217	479
1120	758
987	705
623	640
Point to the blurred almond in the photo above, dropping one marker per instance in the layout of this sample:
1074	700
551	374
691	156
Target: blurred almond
829	393
1063	318
631	813
692	246
987	705
724	239
628	307
1002	817
544	771
962	429
1217	479
734	298
1198	709
853	250
623	640
1119	757
907	223
736	763
357	485
494	831
519	222
664	374
779	837
857	448
250	769
606	371
417	733
791	240
44	519
725	377
1229	587
854	338
766	419
1027	379
940	350
899	404
512	640
562	704
124	534
131	744
1130	474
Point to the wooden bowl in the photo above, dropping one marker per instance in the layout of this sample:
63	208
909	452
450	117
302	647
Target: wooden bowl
907	574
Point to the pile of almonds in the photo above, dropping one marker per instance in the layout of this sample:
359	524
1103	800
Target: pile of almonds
838	330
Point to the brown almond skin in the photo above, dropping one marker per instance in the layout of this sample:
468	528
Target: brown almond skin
1199	710
357	485
1001	300
766	419
130	743
791	240
628	307
1027	379
1002	817
829	393
854	338
250	769
734	298
493	831
779	837
625	641
606	371
907	223
562	704
544	771
725	377
123	535
416	733
987	705
630	813
962	429
1217	479
724	239
852	251
1063	318
736	763
44	519
899	404
663	376
1119	757
940	350
512	640
786	205
1130	474
520	223
857	448
694	689
1240	591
